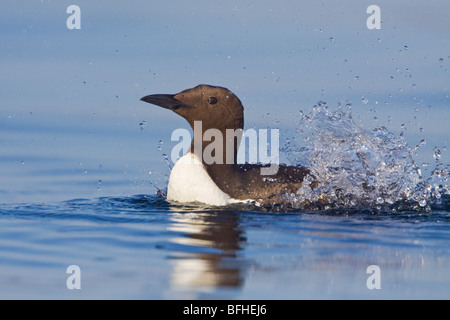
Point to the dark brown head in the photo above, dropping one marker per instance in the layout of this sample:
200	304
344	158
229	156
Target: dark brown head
216	107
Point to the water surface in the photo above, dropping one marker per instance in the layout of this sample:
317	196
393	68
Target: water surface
82	160
143	247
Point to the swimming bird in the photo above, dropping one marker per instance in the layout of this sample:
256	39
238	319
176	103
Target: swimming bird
193	179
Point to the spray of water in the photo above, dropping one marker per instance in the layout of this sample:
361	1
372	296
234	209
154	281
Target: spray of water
359	168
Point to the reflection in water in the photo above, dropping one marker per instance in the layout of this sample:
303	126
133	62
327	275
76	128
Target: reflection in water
207	257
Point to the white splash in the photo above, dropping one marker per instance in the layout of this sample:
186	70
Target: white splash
356	167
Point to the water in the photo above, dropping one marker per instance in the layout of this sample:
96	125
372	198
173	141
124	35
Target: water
141	246
83	161
357	167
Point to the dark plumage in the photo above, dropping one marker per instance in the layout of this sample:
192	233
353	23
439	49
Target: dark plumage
219	108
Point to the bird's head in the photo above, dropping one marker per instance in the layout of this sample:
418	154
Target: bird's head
215	107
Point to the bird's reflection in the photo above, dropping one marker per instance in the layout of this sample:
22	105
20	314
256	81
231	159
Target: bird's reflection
207	254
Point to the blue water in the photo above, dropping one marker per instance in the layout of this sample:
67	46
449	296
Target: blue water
86	194
83	162
144	247
129	242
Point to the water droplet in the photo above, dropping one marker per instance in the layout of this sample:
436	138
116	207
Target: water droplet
22	162
142	124
160	143
166	160
423	203
150	172
437	154
365	100
421	143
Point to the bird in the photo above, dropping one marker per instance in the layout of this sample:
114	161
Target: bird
220	183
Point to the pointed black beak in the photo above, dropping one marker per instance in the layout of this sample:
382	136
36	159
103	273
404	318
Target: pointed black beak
166	101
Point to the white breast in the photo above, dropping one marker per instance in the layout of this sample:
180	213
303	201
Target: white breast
189	182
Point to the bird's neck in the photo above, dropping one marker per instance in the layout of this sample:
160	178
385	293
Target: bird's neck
217	147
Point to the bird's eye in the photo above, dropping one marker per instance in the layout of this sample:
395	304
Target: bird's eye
212	100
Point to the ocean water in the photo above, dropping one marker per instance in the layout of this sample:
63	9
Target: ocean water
84	164
54	213
142	247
